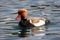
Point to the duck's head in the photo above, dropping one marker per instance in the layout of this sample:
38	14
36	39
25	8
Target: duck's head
22	13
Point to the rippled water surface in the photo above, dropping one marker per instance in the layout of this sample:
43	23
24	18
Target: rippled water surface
36	8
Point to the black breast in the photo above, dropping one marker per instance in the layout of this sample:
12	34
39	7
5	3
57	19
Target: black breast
25	24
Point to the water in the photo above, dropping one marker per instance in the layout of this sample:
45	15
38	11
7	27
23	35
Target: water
36	8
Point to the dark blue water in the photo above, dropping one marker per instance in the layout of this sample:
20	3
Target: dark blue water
49	9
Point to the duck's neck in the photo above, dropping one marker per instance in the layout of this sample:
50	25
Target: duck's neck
23	18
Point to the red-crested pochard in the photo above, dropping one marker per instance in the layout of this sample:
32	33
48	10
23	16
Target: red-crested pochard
29	23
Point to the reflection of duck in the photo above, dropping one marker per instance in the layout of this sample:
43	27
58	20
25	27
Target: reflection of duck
26	23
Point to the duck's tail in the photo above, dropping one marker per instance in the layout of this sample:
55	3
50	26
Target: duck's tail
47	22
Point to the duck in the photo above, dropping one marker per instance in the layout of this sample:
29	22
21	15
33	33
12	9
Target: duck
29	23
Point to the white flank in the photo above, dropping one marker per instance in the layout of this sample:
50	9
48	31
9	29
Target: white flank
40	23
